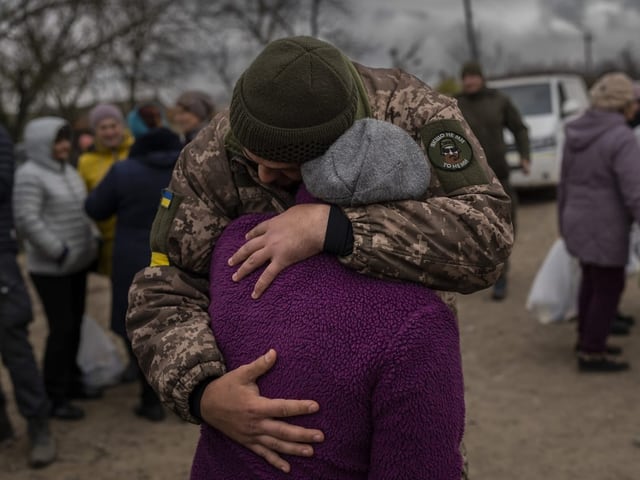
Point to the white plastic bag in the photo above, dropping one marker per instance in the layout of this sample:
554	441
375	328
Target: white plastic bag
633	265
98	356
554	293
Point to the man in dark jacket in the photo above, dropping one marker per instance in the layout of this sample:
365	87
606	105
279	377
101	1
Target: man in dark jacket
15	316
488	112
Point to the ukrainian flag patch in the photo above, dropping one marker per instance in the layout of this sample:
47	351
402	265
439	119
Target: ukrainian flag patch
165	200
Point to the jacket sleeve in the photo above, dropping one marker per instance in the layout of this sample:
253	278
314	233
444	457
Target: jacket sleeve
6	166
627	168
456	241
513	122
562	184
102	202
418	405
27	204
167	320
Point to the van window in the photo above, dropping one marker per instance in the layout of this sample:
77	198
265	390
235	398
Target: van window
531	99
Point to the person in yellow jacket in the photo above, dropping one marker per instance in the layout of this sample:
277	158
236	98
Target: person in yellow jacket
112	144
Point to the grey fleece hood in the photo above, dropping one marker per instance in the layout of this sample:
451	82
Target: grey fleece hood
39	135
583	131
374	161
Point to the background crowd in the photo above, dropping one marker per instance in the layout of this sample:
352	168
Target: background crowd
81	202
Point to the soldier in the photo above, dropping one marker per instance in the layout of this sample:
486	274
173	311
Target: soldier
296	98
488	112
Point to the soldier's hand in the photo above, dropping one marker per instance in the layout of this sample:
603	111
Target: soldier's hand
288	238
525	164
232	404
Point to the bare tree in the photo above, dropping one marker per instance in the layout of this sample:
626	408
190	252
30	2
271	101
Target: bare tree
46	43
56	52
153	50
244	26
410	58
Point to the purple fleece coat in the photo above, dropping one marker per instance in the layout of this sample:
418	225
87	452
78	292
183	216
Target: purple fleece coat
599	190
381	358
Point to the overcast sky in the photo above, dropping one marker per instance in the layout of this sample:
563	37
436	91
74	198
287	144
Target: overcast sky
514	33
528	31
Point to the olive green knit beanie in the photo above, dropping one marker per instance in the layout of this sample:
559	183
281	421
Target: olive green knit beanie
295	99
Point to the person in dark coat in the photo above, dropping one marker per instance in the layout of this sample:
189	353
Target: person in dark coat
489	112
15	315
131	190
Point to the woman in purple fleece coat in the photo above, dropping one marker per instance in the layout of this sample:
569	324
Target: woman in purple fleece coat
598	198
381	358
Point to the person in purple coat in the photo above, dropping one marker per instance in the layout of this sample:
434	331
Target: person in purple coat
382	358
598	199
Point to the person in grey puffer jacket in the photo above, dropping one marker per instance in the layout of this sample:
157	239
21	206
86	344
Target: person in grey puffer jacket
60	243
598	199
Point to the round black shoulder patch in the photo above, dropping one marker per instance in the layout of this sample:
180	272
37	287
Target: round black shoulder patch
449	151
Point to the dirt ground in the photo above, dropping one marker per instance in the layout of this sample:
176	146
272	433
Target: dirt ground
530	414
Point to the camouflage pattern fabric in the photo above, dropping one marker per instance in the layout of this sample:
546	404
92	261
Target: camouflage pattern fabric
454	242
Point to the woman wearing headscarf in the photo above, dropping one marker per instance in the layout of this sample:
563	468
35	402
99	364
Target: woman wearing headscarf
598	199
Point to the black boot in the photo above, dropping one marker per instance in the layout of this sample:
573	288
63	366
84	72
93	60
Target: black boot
6	430
600	362
619	328
42	446
626	319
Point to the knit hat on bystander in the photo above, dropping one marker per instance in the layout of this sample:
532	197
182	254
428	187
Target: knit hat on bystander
103	111
612	91
198	103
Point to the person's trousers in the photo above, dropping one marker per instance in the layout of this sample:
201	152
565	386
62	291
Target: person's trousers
15	349
63	299
598	299
509	190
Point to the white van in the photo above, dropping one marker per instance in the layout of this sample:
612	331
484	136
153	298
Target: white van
546	102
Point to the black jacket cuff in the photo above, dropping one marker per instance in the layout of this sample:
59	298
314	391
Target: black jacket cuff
196	397
339	237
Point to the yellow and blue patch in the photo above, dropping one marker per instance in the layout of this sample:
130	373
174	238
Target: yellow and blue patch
165	200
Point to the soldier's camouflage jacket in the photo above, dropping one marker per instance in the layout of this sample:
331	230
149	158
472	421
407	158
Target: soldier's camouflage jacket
455	240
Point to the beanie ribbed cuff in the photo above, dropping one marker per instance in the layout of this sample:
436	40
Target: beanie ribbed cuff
287	145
